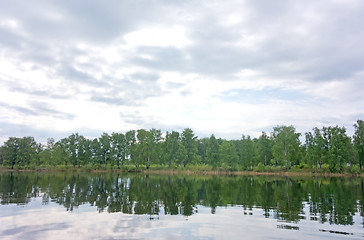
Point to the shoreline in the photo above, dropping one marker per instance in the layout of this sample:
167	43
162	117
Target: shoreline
251	173
189	172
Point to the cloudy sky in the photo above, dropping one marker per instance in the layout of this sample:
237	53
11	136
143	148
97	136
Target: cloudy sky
222	67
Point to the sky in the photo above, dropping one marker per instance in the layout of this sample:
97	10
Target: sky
218	67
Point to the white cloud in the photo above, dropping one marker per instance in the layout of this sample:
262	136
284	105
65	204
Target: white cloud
162	37
234	68
9	23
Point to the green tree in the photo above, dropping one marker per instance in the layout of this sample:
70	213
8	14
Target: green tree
359	142
264	149
47	155
10	149
316	148
28	150
337	146
105	149
155	145
309	150
170	147
131	146
182	155
188	140
119	148
21	151
228	155
148	147
286	145
212	151
202	145
1	156
248	152
83	150
60	154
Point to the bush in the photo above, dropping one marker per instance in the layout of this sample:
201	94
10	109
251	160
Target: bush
355	169
259	168
88	167
325	168
302	165
225	167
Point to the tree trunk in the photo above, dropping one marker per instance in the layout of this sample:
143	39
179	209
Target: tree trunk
285	156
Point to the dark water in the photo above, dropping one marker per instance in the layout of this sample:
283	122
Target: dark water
110	206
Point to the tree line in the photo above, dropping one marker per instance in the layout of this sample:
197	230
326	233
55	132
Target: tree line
328	148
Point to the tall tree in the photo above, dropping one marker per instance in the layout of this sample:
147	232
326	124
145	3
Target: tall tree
286	145
338	147
188	140
359	141
155	145
1	156
170	147
316	148
143	146
131	146
47	155
202	145
83	150
228	155
148	147
119	148
60	153
248	152
28	150
182	155
105	148
10	149
212	151
264	149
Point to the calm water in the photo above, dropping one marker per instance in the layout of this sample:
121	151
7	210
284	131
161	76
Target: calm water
108	206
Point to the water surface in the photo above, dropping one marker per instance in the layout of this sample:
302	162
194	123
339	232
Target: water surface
111	206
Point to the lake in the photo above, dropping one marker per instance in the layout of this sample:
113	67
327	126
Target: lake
139	206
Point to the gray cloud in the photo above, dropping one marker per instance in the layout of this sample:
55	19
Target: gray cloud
42	108
149	122
9	39
38	109
331	49
110	100
20	109
320	42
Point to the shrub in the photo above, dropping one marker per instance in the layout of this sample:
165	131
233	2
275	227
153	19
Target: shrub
325	168
259	168
355	169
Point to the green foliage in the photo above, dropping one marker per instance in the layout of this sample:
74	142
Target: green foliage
228	156
325	150
325	168
212	151
260	167
329	145
20	152
359	142
286	146
188	140
355	169
248	152
264	149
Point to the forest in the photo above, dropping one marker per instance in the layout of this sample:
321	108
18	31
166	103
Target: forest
326	149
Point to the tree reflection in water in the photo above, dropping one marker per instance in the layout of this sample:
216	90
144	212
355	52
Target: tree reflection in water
327	200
